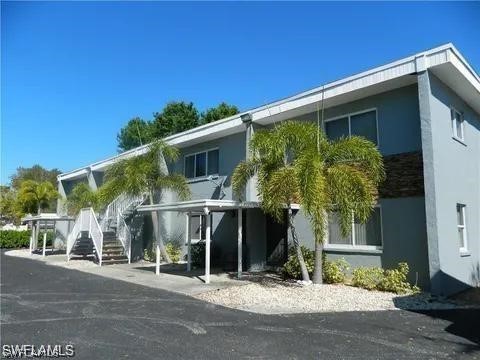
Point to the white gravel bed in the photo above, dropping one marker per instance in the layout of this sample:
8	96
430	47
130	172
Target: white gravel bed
273	297
56	260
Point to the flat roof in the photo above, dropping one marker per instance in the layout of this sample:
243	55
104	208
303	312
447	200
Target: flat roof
443	60
47	217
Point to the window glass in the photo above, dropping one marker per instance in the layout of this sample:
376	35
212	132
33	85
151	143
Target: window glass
457	123
334	232
201	164
189	166
365	125
461	226
195	227
336	129
370	232
213	162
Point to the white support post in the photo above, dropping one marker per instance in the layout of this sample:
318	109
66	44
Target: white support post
189	242
44	241
32	237
157	265
207	246
239	243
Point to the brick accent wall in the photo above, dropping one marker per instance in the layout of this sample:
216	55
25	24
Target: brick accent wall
404	175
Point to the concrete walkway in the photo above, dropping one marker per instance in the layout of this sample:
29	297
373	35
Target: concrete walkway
173	277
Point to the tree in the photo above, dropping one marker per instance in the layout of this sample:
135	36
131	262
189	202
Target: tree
176	116
137	132
9	209
222	111
35	173
82	196
277	183
339	176
36	196
146	174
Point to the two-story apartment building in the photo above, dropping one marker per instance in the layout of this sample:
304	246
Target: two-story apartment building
423	112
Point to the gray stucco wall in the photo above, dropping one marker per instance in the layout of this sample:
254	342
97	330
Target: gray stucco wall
454	178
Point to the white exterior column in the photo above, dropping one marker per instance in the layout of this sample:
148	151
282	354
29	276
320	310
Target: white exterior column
207	246
44	239
32	236
239	243
189	242
157	265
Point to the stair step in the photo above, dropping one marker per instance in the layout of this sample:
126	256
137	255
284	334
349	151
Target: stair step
114	261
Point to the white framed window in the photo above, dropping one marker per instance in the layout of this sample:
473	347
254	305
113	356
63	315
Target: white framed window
368	236
457	124
462	227
201	164
364	123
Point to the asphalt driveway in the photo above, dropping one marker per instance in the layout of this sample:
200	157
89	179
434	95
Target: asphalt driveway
111	319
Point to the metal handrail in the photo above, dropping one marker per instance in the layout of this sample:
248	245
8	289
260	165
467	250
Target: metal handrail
123	234
86	221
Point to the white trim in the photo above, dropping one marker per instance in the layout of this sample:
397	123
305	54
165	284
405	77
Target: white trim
353	247
464	248
348	116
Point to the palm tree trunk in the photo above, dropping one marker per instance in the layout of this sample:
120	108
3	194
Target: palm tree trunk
298	249
318	270
154	215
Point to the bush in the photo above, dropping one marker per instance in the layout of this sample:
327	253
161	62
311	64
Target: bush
291	269
10	239
174	251
334	272
395	280
392	280
367	277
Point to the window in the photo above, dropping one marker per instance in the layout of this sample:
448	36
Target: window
201	164
461	227
359	124
197	226
363	236
457	124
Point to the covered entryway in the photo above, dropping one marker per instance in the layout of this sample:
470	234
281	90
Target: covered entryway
206	207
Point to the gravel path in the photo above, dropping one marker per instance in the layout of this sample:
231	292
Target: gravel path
269	296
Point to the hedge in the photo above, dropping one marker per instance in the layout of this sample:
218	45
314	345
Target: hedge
14	239
11	239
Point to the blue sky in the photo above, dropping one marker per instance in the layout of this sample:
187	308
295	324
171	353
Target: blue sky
73	73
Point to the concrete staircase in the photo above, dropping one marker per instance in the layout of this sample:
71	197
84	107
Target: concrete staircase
113	251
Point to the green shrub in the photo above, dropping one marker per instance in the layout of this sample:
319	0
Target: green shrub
11	239
334	272
392	280
149	254
395	280
291	269
367	277
174	251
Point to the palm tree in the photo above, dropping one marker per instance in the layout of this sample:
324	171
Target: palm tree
271	160
146	174
82	196
295	162
34	195
339	176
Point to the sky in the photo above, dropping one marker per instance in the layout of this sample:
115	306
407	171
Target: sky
74	73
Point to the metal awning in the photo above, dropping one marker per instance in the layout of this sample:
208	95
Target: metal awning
47	217
200	205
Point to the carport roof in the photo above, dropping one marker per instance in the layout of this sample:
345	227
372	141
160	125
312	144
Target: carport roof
202	204
47	217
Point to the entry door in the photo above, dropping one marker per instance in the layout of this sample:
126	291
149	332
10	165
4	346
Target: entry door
277	242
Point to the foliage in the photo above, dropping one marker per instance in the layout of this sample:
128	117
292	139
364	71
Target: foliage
11	239
36	173
395	280
10	211
367	277
334	271
82	196
392	280
222	111
144	173
137	132
176	116
149	253
291	269
34	196
174	251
